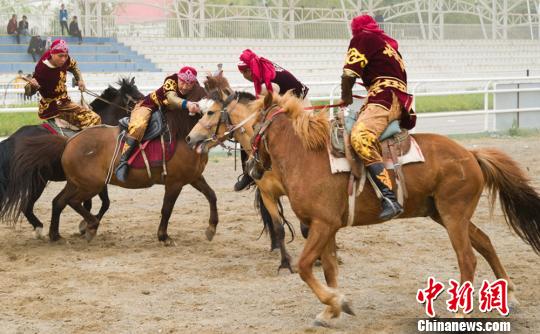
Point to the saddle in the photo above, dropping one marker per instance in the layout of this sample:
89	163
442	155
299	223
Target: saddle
58	126
398	149
156	147
156	126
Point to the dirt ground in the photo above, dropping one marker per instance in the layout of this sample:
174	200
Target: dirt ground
125	281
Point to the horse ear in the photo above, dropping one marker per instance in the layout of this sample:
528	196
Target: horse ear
223	94
132	80
268	99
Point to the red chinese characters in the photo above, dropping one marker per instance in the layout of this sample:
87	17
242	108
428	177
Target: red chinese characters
429	295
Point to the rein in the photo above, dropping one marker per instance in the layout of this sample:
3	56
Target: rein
324	106
97	96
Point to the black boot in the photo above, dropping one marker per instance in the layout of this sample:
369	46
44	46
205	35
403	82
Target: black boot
390	206
123	167
244	180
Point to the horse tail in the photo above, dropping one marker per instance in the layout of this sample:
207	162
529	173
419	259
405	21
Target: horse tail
6	152
519	200
34	163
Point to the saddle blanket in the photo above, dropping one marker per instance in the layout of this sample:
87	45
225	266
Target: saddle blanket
342	165
153	152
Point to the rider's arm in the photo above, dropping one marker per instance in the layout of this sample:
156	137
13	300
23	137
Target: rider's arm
175	101
74	69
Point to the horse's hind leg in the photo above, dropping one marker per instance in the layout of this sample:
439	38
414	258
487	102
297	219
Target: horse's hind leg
29	212
105	204
482	244
172	191
210	195
58	205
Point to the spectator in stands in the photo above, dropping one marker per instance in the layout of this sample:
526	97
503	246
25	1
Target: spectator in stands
261	71
179	91
63	19
12	28
23	29
49	79
19	82
379	18
373	56
48	43
36	47
74	29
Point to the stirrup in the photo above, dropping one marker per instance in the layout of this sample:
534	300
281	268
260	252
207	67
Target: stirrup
244	182
394	206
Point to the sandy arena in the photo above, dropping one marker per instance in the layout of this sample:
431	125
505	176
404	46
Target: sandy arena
125	281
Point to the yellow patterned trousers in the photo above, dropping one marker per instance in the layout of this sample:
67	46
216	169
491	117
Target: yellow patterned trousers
138	122
372	121
77	115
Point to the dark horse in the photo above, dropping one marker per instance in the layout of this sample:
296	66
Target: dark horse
86	160
19	197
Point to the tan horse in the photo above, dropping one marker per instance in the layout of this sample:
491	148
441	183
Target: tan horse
211	129
86	160
446	187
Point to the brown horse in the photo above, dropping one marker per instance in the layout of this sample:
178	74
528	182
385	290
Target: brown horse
226	109
86	159
446	187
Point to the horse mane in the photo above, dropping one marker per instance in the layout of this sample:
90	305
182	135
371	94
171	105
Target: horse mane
180	122
245	97
108	94
313	129
216	82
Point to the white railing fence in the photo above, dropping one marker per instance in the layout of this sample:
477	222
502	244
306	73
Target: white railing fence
472	121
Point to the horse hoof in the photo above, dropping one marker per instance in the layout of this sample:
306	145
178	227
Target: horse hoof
346	307
82	227
321	323
210	232
168	242
285	265
89	235
38	233
54	237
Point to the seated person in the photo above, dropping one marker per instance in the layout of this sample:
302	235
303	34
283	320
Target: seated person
36	47
74	29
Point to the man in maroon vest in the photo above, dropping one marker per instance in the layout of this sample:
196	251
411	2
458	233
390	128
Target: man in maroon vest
373	56
49	79
179	91
262	71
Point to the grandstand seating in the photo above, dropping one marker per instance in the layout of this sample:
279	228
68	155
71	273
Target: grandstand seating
322	60
103	60
96	54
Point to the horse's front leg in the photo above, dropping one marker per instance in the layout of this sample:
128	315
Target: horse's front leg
210	195
172	191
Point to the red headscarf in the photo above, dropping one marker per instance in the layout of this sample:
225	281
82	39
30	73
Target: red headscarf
58	46
187	74
262	70
367	23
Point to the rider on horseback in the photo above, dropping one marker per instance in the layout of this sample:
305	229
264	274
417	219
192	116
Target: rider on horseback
49	79
179	91
261	71
373	56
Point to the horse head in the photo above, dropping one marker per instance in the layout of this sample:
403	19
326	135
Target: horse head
129	92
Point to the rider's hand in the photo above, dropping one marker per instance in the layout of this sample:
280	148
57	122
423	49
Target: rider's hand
193	108
33	82
82	85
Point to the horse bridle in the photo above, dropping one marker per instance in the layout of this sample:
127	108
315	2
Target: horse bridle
225	118
129	99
